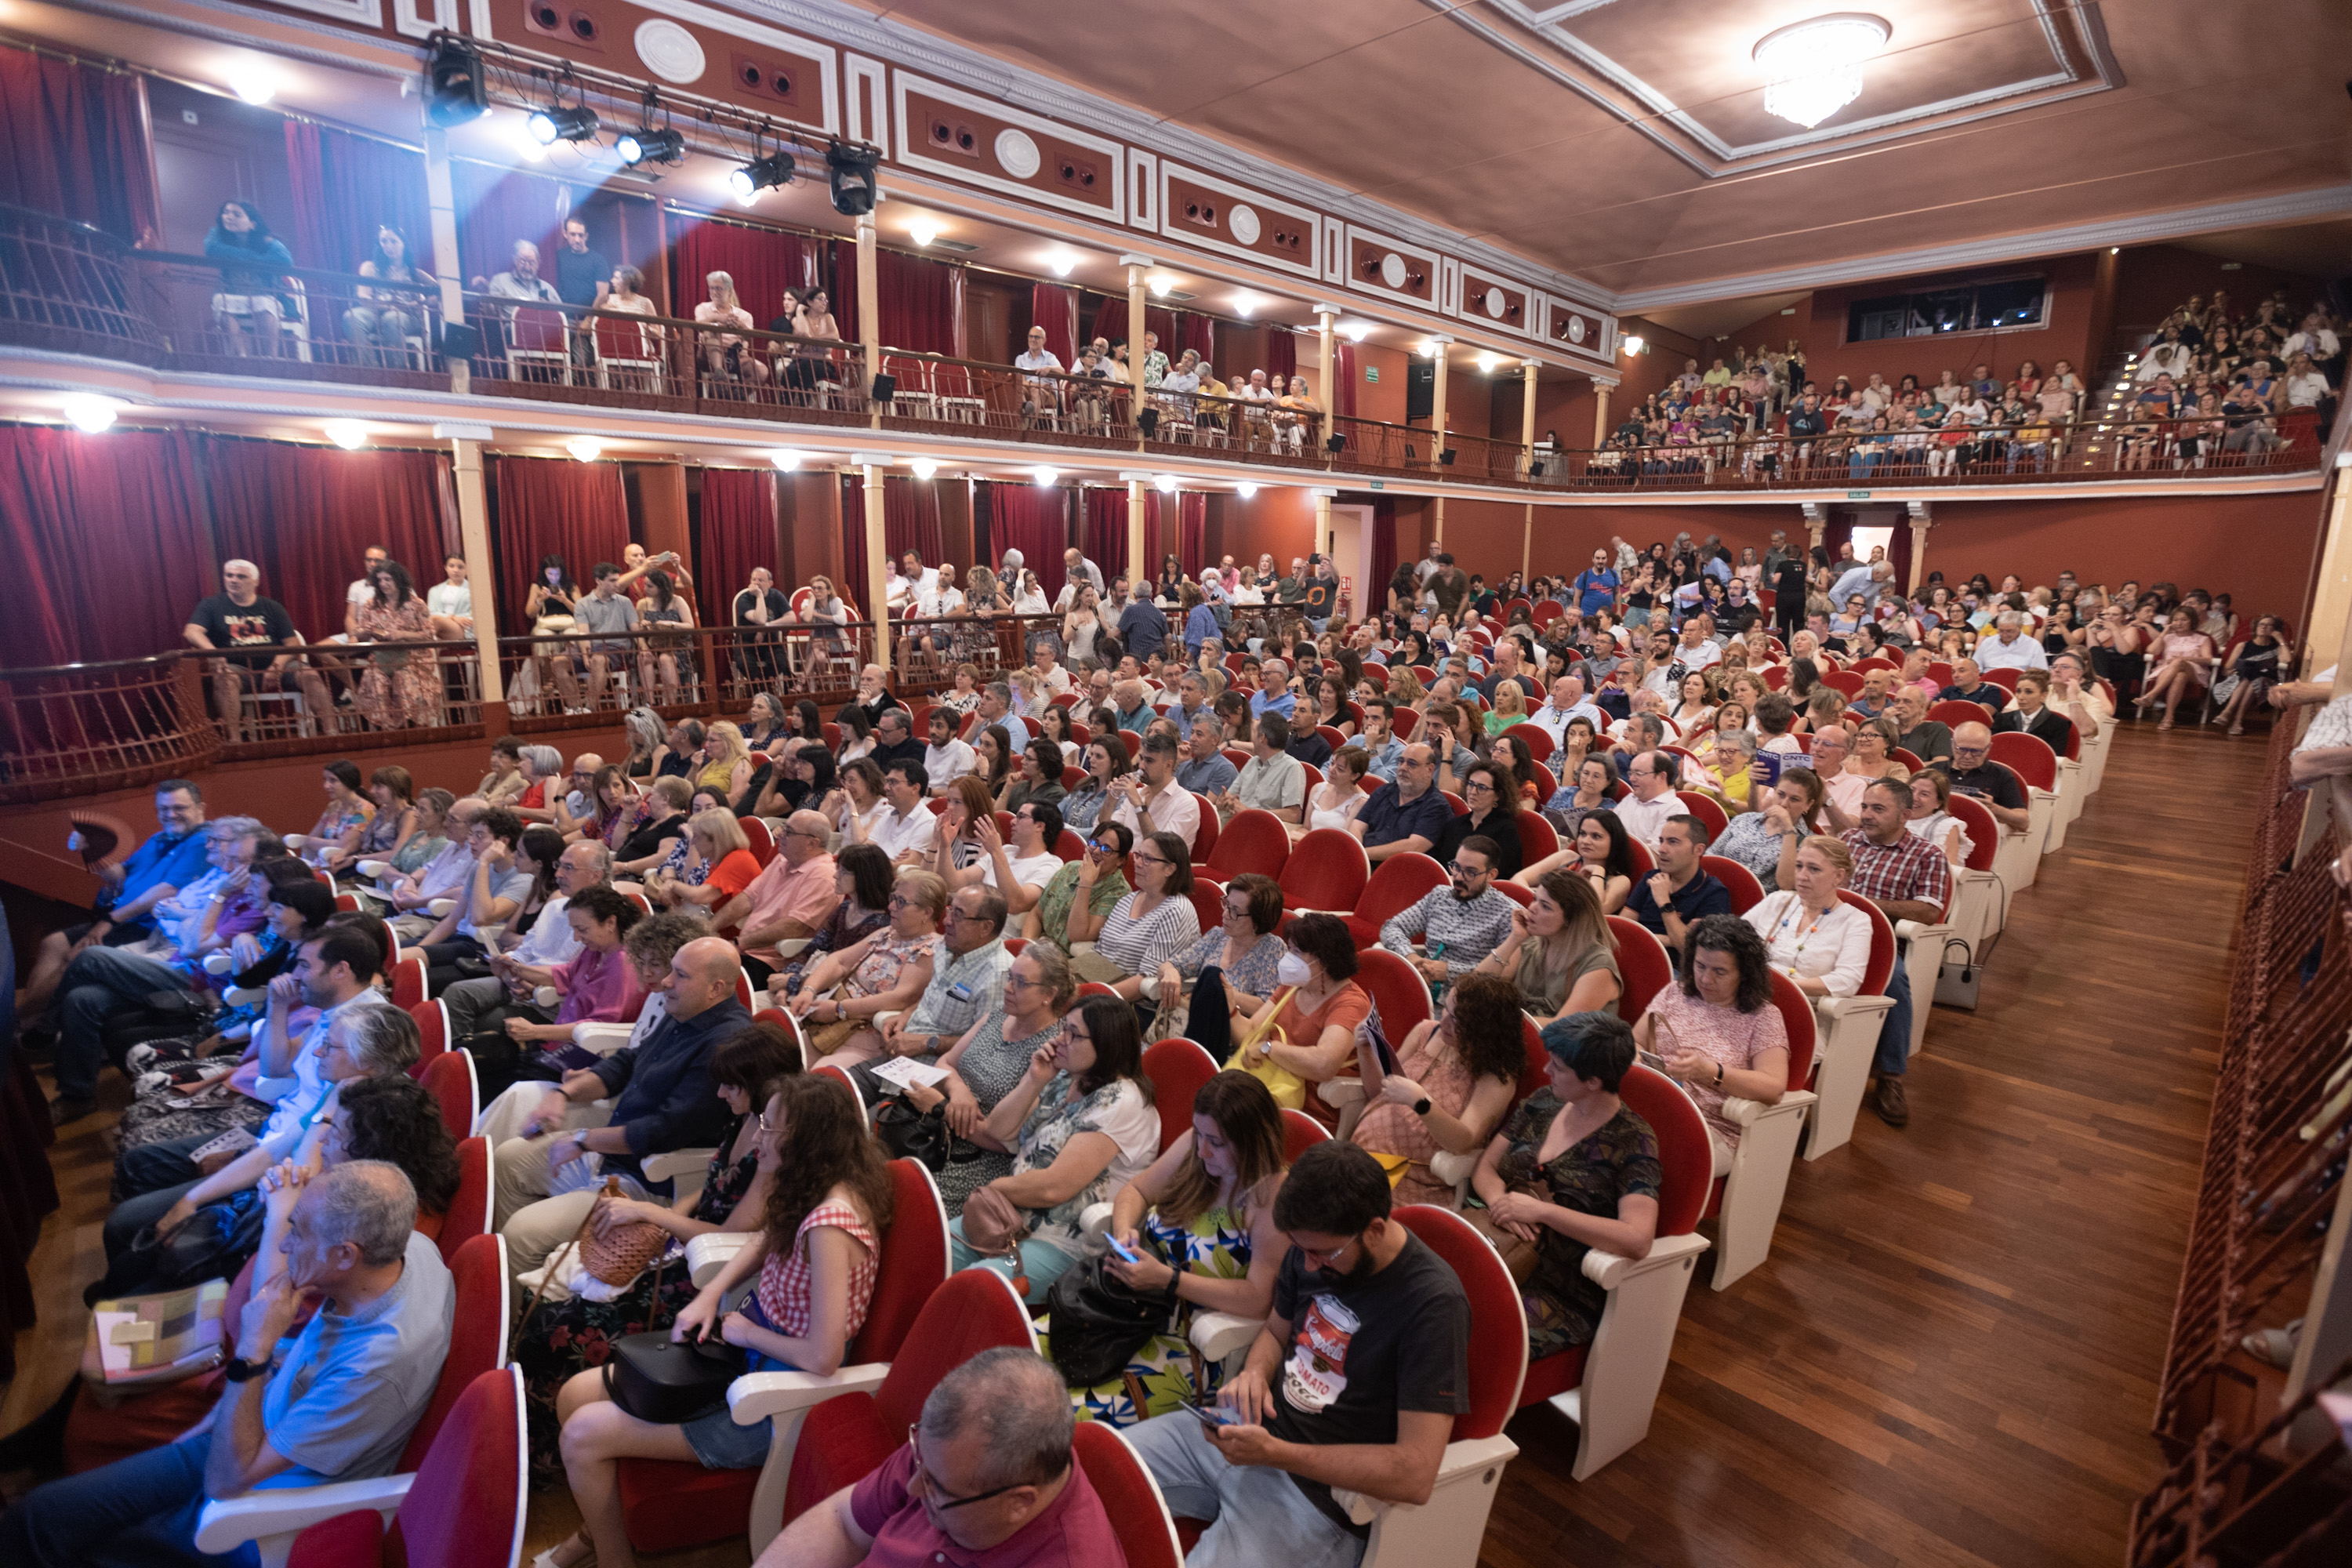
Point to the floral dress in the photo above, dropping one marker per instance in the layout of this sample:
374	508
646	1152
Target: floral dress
338	820
1167	1371
1618	1160
570	1336
991	1067
400	687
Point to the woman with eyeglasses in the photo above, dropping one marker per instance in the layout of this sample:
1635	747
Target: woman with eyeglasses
1455	1077
987	1064
1097	878
1493	814
827	1206
838	997
1147	928
1241	955
1080	1126
1718	1028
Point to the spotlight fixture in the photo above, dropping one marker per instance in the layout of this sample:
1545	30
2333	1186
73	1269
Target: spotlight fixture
777	169
786	460
923	467
1164	483
90	413
456	92
561	122
585	449
250	84
1356	331
1246	490
1486	364
922	231
1633	344
1159	287
850	173
1044	475
348	434
647	145
1061	263
1427	350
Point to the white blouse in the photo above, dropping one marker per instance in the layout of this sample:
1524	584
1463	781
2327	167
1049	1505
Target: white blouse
1321	815
1835	950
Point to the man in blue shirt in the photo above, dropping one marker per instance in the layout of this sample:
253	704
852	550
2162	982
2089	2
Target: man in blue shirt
338	1403
1133	707
1273	694
1596	587
1406	815
128	892
1679	893
1206	771
1141	626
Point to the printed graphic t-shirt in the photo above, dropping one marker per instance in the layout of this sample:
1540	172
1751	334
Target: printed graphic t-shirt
1361	1350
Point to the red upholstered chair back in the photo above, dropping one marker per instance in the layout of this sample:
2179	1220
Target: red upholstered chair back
466	1507
1776	676
914	1264
1253	840
1095	988
1139	1514
1461	807
1881	967
1538	1068
1644	863
1864	665
1747	892
450	1078
2029	757
841	1076
974	1311
1685	1153
1333	736
1845	680
1177	1069
1955	712
1208	904
2075	743
1534	738
1399	883
470	1211
1407	721
477	1337
1984	833
1396	988
1327	871
1300	1133
1069	846
1204	838
433	1034
744	991
1523	897
1499	1324
409	981
1940	670
1538	839
1706	810
538	330
763	842
1642	965
1797	1014
2004	678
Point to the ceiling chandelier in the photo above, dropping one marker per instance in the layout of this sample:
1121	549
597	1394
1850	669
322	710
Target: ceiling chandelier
1813	68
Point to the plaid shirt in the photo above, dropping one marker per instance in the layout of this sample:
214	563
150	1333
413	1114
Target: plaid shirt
1909	869
1466	929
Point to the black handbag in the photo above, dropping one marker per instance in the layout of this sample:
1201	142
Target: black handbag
670	1382
1097	1324
211	1243
910	1134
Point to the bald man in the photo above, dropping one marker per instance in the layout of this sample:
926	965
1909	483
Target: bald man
787	901
662	1097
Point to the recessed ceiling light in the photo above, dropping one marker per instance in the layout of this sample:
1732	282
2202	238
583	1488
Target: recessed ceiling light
1356	331
88	412
1813	68
348	434
1427	349
253	84
785	461
1160	286
1246	305
587	448
1246	490
1044	475
1061	263
1164	483
924	467
922	231
1486	364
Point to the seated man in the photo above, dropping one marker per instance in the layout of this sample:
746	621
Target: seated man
792	897
169	859
1680	892
997	1483
1650	779
968	968
253	633
1407	814
1460	924
443	877
549	942
1969	684
1020	869
1921	736
1206	771
893	741
1353	1382
1974	772
662	1099
336	1403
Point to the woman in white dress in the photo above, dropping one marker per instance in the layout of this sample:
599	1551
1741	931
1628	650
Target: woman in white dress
1930	816
1336	801
1812	935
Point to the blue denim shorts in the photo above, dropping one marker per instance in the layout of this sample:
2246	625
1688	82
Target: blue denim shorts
715	1436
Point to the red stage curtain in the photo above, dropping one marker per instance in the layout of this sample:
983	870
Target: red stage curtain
106	535
735	532
1281	355
853	582
1054	307
910	518
1374	592
73	142
497	207
1345	373
1199	335
1036	521
918	306
1110	321
344	186
1104	536
546	506
306	515
1192	531
762	261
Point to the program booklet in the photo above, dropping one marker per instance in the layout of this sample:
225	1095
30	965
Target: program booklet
139	1336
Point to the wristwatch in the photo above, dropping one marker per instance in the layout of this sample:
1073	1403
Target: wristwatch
1421	1106
239	1370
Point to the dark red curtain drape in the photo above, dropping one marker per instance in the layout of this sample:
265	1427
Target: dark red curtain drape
853	583
1054	307
1191	533
1374	593
1110	321
497	207
1344	372
1199	335
736	531
553	506
306	515
107	537
762	261
910	518
1034	519
918	299
73	142
1105	540
1281	355
344	186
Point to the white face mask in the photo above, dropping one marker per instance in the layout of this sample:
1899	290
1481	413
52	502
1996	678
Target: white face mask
1291	970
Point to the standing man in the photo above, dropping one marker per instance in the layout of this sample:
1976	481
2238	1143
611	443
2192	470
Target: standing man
1076	568
1596	585
584	280
1142	627
1909	879
1322	594
252	634
604	613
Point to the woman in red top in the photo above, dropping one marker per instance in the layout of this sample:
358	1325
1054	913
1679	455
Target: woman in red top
817	1255
1320	1009
719	845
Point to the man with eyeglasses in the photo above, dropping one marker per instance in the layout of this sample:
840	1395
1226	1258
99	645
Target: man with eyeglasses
905	832
893	741
1973	772
790	898
1353	1382
1206	771
1406	815
1649	776
968	966
1151	801
985	1480
1460	924
1679	893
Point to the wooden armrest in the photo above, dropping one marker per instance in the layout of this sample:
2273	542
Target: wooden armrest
289	1510
1748	1112
439	908
675	1163
757	1395
1469	1457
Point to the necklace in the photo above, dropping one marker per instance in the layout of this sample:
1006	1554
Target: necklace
1796	913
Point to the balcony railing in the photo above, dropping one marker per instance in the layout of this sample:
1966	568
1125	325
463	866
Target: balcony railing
67	288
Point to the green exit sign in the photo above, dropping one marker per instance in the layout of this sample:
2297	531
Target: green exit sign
1857	495
1371	373
1379	484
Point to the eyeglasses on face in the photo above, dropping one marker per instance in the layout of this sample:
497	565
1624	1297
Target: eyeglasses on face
942	1499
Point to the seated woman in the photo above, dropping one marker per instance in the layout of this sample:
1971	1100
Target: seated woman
1146	929
1080	1126
394	791
1560	954
1317	1013
1756	838
836	999
858	804
1494	800
390	1117
1812	935
1588	789
660	828
335	837
1456	1076
861	876
1534	782
986	1065
1717	1027
1097	878
1106	761
1334	801
597	986
725	865
1242	953
1571	1171
1040	778
828	1206
1728	764
1202	1222
801	779
1510	707
572	1333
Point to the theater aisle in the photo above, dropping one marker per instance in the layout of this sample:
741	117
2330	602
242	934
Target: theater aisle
1951	1356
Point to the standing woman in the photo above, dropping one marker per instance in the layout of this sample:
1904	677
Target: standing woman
1080	626
1560	954
252	265
2181	658
828	1206
399	686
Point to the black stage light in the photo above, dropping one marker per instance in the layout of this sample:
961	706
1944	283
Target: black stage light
650	146
775	169
851	171
562	122
455	90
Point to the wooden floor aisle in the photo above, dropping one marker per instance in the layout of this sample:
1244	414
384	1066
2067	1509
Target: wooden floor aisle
1950	1357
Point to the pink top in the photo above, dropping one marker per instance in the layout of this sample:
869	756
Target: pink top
598	987
782	891
1735	1039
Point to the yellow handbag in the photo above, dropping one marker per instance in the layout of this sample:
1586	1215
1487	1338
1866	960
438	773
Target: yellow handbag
1289	1091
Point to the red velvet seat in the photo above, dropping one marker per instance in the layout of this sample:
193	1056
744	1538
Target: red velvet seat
1643	966
1706	810
1253	840
763	842
1747	892
1300	1133
1955	712
1845	680
433	1034
467	1505
2004	678
1327	871
1538	839
1204	836
450	1078
409	986
474	1205
1176	1068
1400	882
1498	1325
1984	833
2029	757
1533	739
1139	1514
1397	990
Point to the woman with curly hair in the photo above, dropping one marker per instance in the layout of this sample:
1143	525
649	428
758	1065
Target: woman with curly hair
1717	1029
827	1205
1455	1077
568	1336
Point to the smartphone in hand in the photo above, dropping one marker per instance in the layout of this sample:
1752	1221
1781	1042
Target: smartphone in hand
1122	1249
1216	1415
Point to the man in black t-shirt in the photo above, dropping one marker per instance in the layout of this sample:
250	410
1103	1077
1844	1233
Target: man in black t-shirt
1353	1382
582	278
253	635
1974	772
1322	590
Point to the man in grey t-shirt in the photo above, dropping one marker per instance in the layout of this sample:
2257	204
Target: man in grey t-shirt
607	611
